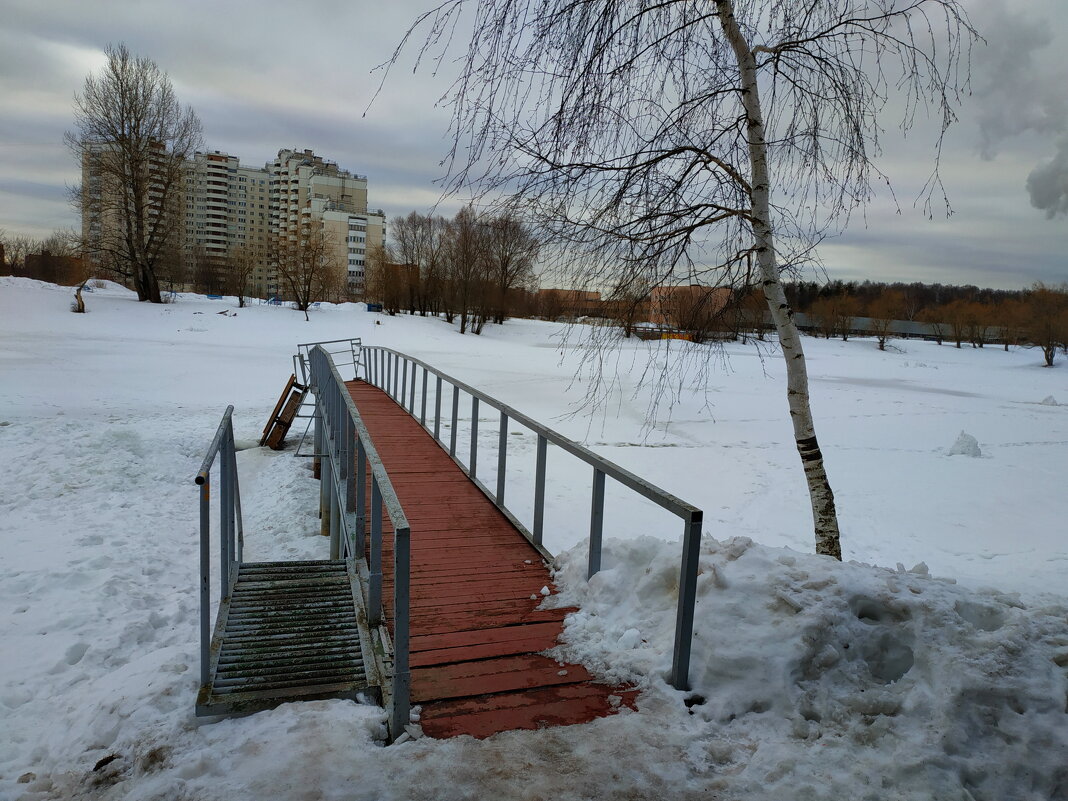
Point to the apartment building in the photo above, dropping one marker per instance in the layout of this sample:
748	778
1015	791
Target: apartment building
229	212
306	187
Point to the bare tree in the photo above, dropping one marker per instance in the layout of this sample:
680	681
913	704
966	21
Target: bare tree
132	138
16	248
307	264
240	265
657	130
935	320
465	257
386	282
883	311
511	251
1047	319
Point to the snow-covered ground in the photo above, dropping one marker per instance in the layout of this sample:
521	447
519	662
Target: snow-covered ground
932	664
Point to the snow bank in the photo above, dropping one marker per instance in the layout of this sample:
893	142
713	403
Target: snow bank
814	679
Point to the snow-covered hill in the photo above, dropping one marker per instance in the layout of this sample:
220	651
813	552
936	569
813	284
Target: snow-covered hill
812	679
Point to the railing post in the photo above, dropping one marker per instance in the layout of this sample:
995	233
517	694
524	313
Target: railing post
350	484
374	600
422	406
225	518
404	381
411	391
455	419
396	376
240	554
539	491
205	579
401	605
596	523
691	555
335	529
437	410
317	436
472	466
502	458
361	498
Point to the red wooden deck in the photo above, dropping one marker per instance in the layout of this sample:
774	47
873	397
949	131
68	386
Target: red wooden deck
476	632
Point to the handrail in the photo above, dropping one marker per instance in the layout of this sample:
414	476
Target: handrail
342	443
300	358
231	530
389	370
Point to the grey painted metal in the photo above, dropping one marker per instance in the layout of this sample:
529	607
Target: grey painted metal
402	677
602	468
628	479
335	528
404	382
337	409
222	447
455	419
361	498
205	579
437	408
411	392
502	458
422	405
691	556
472	465
374	568
352	346
225	520
539	490
290	631
596	523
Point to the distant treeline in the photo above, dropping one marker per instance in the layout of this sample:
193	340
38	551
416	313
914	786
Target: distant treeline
915	297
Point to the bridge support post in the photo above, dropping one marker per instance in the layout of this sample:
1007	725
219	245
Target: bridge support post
691	554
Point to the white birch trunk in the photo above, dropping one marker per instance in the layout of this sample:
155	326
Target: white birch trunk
824	515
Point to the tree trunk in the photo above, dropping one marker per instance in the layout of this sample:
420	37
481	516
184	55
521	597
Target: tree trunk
150	285
824	516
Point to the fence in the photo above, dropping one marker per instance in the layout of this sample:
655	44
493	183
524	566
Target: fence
348	461
399	376
231	533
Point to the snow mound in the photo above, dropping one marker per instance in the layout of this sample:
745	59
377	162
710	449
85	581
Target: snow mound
966	445
1049	400
806	670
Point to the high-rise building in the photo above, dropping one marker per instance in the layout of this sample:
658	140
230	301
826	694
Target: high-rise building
306	187
231	213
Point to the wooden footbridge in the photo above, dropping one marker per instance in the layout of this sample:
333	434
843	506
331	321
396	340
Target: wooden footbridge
434	591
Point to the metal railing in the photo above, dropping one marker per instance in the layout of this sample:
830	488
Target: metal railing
348	461
231	532
399	376
347	347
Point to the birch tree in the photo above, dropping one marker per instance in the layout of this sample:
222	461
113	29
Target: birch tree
679	140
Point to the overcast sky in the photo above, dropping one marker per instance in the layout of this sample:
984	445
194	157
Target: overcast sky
266	75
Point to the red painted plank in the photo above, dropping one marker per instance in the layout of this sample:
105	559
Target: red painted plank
476	631
459	639
532	709
485	676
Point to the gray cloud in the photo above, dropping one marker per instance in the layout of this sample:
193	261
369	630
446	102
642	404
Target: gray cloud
1018	80
1048	183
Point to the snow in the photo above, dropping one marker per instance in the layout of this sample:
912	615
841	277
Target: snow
965	445
811	679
